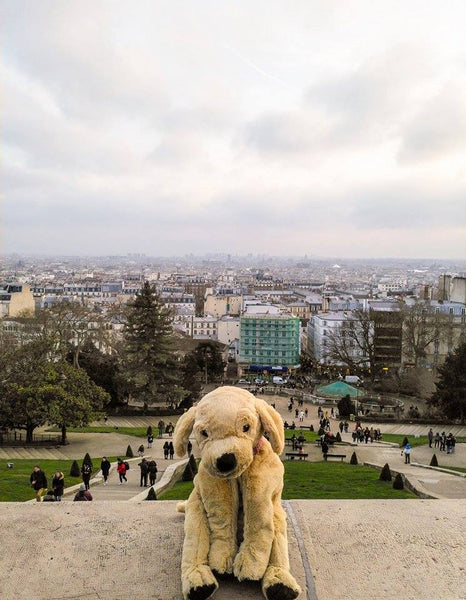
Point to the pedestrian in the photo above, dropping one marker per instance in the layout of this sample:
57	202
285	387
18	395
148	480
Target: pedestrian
346	426
407	452
453	444
144	466
171	450
58	485
141	451
437	440
296	413
83	494
105	468
152	472
430	436
165	450
340	426
448	443
121	468
189	448
49	496
161	427
324	445
301	416
150	439
443	441
86	471
38	482
306	412
170	429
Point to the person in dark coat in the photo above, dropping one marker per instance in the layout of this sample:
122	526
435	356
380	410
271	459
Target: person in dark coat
38	482
171	450
152	472
83	495
58	485
144	466
105	468
49	497
324	446
165	450
86	472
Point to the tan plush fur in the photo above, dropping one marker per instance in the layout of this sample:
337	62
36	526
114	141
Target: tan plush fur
228	424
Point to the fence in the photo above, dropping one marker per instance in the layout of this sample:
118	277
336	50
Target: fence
18	438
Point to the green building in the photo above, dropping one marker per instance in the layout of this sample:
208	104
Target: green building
269	341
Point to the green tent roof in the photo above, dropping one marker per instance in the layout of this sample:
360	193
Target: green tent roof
339	388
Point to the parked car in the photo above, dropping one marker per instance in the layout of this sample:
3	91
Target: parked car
243	381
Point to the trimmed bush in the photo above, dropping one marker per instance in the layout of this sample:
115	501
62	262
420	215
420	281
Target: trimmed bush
398	482
385	473
405	441
87	460
188	474
434	461
151	495
129	452
353	459
193	464
338	437
75	471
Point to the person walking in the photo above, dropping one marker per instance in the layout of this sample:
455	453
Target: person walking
105	468
437	440
141	451
171	450
83	494
165	450
407	452
86	471
430	437
150	439
58	485
144	467
121	468
152	472
38	482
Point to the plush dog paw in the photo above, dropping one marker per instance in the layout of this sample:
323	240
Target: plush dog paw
199	583
279	584
221	557
248	566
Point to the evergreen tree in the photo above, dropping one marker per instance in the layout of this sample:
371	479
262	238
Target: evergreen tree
150	363
450	396
87	460
398	483
74	471
188	474
354	459
151	494
434	461
209	360
193	464
385	473
129	452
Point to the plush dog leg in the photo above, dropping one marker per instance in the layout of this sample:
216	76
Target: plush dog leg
278	583
220	500
253	556
198	581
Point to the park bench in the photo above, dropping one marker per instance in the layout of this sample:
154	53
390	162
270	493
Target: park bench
341	456
310	427
300	455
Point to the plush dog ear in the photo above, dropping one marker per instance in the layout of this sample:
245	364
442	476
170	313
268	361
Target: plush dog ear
183	430
272	424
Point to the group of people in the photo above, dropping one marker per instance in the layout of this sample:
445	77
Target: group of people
148	471
165	428
38	482
168	450
365	435
442	441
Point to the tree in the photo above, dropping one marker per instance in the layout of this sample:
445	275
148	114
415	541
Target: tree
385	473
209	360
150	363
398	483
346	406
352	344
422	327
450	396
190	380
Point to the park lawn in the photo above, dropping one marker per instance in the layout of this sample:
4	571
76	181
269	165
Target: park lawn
397	438
310	436
320	480
460	469
14	483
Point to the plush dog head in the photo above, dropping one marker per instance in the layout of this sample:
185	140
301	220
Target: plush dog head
228	424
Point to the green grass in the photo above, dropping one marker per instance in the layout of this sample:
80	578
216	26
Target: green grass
460	469
15	482
310	436
321	480
398	439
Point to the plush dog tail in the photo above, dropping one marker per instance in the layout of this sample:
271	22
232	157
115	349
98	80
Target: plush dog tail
181	507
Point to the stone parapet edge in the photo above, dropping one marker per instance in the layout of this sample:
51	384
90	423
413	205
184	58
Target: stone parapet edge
441	469
411	484
171	475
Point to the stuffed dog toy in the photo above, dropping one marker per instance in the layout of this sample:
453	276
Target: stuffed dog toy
234	521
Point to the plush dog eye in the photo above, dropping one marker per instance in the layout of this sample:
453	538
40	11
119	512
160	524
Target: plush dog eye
246	428
204	433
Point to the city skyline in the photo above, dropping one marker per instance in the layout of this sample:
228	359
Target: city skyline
265	128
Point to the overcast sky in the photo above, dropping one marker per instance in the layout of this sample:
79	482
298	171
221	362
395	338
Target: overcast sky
330	128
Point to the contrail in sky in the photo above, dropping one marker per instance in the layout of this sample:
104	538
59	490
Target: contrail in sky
253	66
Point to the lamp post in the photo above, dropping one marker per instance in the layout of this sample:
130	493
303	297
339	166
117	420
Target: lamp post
62	380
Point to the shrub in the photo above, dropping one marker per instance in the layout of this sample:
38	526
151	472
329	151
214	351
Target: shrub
338	437
398	482
129	452
188	474
74	471
151	495
87	460
193	464
385	473
346	407
353	459
434	461
405	441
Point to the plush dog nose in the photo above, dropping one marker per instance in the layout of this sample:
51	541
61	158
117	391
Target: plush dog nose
226	463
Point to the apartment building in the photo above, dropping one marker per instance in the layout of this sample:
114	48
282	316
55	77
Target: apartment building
16	299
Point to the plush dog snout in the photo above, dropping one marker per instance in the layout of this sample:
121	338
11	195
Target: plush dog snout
226	462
